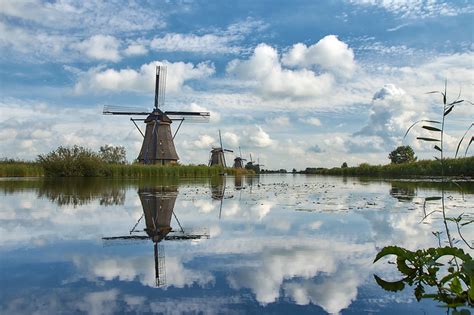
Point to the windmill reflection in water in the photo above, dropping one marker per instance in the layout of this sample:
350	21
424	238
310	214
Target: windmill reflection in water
158	210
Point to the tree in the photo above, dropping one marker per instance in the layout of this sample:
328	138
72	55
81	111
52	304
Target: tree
344	165
402	154
111	154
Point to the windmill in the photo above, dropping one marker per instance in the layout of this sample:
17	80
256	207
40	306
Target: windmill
238	161
158	145
218	154
158	210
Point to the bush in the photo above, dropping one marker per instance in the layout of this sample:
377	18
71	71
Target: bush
72	161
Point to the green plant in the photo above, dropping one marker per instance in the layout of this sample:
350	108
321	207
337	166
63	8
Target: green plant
422	269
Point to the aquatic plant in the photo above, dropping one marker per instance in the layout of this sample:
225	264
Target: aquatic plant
421	268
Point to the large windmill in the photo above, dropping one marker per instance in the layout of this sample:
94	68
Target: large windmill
218	154
158	210
158	146
239	161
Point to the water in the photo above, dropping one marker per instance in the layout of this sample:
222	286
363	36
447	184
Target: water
279	244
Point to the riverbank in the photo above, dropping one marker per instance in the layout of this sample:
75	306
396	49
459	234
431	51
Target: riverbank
452	167
33	169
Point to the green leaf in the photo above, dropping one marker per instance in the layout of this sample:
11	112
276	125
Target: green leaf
448	110
455	286
472	140
431	128
419	121
390	286
456	102
427	139
459	144
403	267
419	290
392	250
438	148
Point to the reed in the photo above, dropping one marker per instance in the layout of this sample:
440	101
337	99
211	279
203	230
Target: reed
9	168
452	167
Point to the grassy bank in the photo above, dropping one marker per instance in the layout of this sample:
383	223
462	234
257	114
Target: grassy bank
453	167
27	169
9	168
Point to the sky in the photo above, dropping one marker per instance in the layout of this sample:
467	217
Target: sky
294	83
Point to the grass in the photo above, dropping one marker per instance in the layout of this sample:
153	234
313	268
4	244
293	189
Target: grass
11	168
452	167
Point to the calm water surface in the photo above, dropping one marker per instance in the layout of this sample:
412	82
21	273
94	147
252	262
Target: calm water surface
289	244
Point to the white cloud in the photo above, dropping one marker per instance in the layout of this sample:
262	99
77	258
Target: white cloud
230	139
391	111
311	121
86	16
135	50
329	53
208	43
419	8
217	41
100	47
102	80
204	142
260	138
273	81
280	121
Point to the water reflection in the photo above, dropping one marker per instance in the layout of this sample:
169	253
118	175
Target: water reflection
402	193
286	244
158	210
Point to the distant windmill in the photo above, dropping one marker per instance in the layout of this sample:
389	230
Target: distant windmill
158	146
218	154
238	161
158	204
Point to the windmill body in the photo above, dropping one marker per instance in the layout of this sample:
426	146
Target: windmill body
158	145
158	140
239	161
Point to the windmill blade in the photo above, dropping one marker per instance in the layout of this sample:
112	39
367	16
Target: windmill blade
172	236
160	86
122	110
227	150
220	139
194	117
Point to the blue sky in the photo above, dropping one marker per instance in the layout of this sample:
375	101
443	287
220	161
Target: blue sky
296	84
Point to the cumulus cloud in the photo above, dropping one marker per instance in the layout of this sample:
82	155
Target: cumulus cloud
260	138
135	50
273	81
230	139
329	54
315	149
391	111
100	47
99	79
204	142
